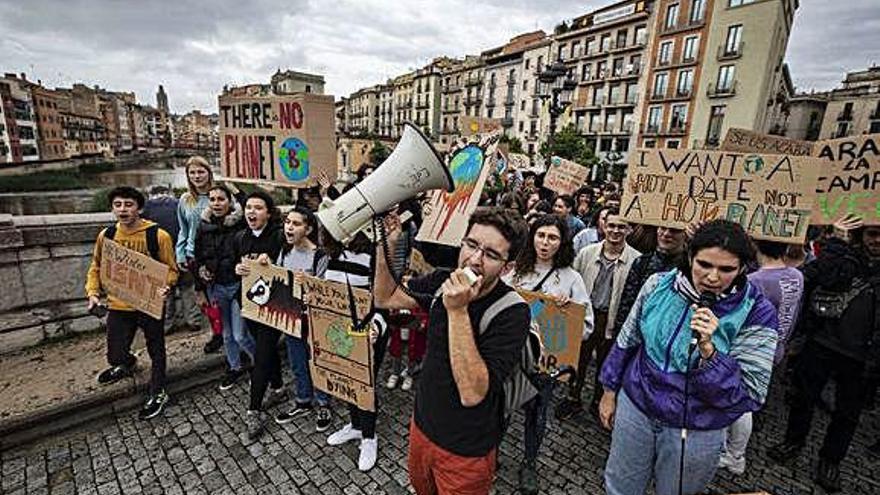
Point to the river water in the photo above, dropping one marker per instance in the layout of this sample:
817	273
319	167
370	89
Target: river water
142	175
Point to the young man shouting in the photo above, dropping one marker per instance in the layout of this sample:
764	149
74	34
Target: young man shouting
457	422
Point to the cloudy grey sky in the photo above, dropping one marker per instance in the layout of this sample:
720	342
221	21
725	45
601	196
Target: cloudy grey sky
195	47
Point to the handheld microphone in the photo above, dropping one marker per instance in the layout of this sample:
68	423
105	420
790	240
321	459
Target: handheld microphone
707	300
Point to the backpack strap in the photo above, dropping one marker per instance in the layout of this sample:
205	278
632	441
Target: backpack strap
505	302
152	234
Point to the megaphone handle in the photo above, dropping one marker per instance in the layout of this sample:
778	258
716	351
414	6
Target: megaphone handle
383	238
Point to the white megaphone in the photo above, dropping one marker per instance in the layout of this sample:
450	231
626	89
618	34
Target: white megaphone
414	166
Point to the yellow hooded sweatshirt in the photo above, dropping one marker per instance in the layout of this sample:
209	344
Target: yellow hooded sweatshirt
136	240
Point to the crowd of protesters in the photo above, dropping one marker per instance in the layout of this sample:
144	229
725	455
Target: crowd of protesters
686	328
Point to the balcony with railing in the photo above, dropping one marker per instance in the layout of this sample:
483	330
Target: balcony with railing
507	122
451	109
683	93
677	127
490	102
451	88
423	104
731	52
658	94
509	101
473	81
472	100
684	25
722	91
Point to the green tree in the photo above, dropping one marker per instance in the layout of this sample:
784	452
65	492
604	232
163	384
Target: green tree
568	144
379	152
514	145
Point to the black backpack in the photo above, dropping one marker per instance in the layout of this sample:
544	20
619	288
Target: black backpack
152	233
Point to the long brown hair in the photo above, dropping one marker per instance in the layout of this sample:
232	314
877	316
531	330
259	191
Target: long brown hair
199	161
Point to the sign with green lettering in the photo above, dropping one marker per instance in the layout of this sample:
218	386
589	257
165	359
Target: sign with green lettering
771	196
849	179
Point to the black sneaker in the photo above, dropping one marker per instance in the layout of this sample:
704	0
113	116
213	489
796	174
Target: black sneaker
154	406
114	374
255	422
325	418
230	379
214	344
298	411
828	476
568	409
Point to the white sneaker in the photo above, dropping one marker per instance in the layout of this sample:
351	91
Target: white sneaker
736	465
392	380
369	453
407	383
346	434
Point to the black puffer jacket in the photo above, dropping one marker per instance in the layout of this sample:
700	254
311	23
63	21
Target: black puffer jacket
841	268
215	257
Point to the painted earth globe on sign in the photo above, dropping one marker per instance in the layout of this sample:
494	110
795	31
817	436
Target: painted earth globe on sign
754	164
293	156
341	343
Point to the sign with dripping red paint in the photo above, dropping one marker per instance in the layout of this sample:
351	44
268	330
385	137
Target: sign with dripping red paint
271	295
446	213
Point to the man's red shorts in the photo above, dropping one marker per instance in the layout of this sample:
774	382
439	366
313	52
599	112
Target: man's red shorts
433	470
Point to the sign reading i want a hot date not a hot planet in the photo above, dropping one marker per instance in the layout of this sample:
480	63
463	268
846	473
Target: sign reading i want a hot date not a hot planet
771	196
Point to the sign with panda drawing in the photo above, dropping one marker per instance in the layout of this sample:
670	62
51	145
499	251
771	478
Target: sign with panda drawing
271	296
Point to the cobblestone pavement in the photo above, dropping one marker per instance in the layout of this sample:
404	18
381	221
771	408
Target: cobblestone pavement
199	447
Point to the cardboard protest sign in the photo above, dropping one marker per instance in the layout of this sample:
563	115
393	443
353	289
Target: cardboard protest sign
561	329
771	196
446	214
284	140
471	126
849	179
341	361
271	296
133	278
518	161
745	141
565	176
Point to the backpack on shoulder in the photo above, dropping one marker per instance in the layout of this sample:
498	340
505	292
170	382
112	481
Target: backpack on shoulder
152	234
520	386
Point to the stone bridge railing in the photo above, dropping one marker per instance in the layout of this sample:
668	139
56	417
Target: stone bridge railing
43	264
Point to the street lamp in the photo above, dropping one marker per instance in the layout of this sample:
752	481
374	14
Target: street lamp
555	85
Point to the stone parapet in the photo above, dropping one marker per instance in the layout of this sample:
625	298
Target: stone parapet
43	264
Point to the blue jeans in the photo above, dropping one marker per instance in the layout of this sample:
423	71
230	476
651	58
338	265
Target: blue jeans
235	335
298	357
643	449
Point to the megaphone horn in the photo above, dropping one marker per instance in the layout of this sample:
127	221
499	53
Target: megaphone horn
413	167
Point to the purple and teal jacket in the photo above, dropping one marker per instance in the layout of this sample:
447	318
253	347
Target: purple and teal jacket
648	358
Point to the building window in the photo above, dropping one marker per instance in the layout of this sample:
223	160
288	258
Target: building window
671	16
641	35
632	93
737	3
725	78
617	67
689	52
308	88
585	72
716	121
621	38
528	60
600	70
655	114
590	47
614	94
561	51
665	55
678	119
661	81
598	95
605	43
650	143
685	83
842	130
525	85
575	49
733	41
698	10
